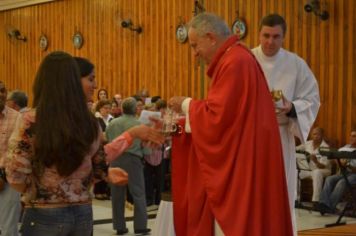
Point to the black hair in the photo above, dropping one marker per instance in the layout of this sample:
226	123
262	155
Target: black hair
85	66
273	20
65	129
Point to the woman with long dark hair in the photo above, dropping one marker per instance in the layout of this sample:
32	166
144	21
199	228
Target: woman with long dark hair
52	150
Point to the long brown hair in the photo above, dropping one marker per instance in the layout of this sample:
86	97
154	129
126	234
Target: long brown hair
65	129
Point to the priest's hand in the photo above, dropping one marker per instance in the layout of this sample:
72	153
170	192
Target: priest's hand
175	103
287	105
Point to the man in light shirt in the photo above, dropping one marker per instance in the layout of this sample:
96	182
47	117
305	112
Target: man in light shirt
318	166
335	185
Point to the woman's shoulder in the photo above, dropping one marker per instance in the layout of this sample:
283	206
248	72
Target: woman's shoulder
29	115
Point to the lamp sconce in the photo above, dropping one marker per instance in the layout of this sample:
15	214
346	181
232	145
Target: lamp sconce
198	8
314	6
16	34
128	24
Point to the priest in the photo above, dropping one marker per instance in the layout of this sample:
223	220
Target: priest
298	108
227	165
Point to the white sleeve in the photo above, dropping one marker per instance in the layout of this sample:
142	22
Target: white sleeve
185	109
306	101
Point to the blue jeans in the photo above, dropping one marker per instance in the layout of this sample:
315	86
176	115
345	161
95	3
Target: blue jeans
334	188
76	220
10	209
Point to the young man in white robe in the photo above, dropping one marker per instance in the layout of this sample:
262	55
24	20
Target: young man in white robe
299	105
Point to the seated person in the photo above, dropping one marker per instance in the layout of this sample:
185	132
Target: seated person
335	185
317	167
103	109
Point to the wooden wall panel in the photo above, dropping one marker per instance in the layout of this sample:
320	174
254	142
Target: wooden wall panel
126	61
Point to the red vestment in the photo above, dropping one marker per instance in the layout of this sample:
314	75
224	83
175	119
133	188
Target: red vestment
230	167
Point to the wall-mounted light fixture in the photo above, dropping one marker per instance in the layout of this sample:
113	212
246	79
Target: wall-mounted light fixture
314	6
13	33
128	24
198	8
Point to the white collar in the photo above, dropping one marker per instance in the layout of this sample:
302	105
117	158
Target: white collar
272	58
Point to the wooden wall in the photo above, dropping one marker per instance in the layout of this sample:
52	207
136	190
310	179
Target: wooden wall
126	61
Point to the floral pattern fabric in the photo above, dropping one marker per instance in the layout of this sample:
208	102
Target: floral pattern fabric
50	187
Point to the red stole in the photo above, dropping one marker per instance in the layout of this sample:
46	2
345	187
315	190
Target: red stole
230	167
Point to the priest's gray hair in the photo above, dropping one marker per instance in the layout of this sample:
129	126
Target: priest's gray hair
129	106
207	22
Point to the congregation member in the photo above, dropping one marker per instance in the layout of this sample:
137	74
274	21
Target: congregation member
102	94
155	99
153	163
140	105
227	165
88	81
335	185
139	108
116	105
144	95
53	167
103	110
115	109
288	73
17	100
118	98
318	166
131	162
10	206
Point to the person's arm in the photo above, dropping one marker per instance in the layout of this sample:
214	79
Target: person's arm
352	168
117	146
300	147
18	164
181	105
325	161
288	108
113	175
122	142
292	113
317	162
306	101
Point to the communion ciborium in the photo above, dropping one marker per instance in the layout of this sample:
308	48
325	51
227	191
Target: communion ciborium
277	96
169	123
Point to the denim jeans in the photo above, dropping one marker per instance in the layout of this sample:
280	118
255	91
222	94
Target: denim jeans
334	188
10	209
76	220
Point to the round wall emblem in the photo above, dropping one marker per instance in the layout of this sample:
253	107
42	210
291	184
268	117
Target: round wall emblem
43	41
77	40
182	33
239	28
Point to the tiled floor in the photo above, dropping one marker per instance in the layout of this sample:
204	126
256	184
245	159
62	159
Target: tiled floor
102	211
306	219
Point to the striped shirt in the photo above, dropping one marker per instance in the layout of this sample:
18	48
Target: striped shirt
156	156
